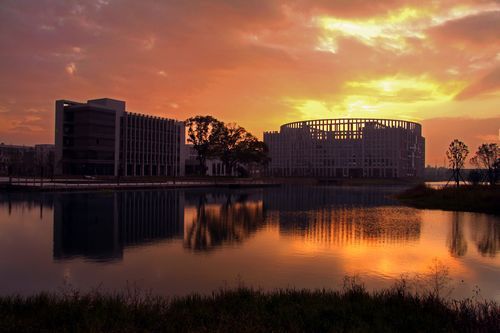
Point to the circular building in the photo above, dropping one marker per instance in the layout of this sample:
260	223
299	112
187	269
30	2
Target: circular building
354	148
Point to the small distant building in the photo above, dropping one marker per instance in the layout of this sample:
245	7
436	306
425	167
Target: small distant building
17	160
101	138
354	148
215	167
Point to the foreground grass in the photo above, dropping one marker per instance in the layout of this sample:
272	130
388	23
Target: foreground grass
483	199
248	310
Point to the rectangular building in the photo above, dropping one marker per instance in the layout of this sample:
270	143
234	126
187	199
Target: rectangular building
101	138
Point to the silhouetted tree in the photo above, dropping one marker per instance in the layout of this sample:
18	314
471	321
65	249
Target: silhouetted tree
251	150
457	153
488	157
203	133
228	142
245	149
231	143
234	145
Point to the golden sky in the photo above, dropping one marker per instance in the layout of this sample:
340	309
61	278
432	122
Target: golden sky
260	63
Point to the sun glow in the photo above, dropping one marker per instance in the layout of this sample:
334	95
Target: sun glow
407	89
393	31
392	96
389	32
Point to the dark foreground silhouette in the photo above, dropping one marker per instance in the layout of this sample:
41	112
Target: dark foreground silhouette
480	198
246	310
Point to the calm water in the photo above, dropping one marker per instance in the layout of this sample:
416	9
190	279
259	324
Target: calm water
175	242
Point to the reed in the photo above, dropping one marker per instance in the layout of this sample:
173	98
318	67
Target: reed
351	309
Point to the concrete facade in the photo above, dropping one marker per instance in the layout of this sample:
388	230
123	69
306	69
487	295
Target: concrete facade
101	138
353	148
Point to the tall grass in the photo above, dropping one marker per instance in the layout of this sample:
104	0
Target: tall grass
350	309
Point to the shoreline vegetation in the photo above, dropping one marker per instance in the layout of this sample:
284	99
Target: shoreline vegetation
351	309
469	198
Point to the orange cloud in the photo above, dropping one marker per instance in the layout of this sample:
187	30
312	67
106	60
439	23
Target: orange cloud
259	63
487	84
474	30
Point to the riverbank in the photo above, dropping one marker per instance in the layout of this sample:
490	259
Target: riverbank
111	183
369	181
68	185
247	310
481	199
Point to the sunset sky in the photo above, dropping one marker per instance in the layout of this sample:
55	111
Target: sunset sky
258	63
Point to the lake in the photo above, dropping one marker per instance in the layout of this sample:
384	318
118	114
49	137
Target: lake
179	241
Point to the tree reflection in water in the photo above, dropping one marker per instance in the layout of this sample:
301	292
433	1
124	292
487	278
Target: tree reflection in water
486	235
230	220
457	243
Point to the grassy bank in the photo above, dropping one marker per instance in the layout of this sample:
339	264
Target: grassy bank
247	310
483	199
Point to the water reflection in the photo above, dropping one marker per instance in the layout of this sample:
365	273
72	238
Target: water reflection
302	236
353	226
457	242
338	216
99	226
222	219
302	198
10	201
486	235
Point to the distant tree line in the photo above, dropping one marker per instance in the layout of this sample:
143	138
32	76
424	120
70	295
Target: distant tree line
486	162
230	143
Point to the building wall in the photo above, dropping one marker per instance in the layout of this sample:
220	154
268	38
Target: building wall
152	146
88	140
371	148
100	138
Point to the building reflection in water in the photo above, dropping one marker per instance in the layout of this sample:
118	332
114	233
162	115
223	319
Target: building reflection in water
222	218
99	226
26	200
340	216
